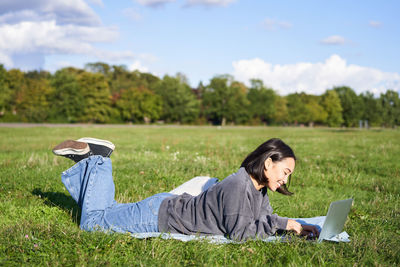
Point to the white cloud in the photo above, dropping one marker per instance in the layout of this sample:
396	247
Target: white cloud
132	14
5	59
137	65
48	37
154	3
188	3
57	65
62	64
147	57
106	55
333	40
63	12
97	2
375	24
315	78
223	3
32	30
272	24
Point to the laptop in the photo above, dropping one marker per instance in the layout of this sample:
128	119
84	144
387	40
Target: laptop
335	219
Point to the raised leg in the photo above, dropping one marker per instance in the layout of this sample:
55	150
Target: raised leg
91	185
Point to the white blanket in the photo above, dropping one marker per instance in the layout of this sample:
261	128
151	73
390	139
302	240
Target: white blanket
219	239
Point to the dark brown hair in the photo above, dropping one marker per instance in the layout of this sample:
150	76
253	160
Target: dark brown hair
275	149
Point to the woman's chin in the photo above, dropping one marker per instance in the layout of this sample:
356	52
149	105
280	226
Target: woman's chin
272	188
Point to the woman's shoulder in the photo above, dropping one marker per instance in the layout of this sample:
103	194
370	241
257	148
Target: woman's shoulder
238	179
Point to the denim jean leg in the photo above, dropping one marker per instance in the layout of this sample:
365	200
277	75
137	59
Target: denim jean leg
139	217
91	185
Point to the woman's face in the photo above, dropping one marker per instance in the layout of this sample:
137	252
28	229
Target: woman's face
278	172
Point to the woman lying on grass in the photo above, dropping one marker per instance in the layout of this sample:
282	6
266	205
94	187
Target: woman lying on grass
237	207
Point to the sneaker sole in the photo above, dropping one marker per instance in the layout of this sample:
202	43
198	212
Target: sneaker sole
96	141
80	149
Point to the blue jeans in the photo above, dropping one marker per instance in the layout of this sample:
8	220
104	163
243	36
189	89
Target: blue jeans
91	185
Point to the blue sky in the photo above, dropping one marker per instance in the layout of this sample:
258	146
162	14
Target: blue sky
291	45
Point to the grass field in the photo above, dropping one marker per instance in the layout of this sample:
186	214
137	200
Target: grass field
39	220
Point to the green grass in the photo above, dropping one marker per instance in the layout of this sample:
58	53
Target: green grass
39	220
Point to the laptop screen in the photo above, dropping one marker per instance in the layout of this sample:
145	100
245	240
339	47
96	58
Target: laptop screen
335	219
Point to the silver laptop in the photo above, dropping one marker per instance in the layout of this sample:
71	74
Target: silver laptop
335	219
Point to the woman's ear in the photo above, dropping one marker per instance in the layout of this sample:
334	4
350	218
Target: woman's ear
267	163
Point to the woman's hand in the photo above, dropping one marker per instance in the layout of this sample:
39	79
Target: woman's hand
292	225
310	231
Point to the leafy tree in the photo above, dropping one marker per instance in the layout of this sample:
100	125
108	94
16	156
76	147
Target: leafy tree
225	100
391	108
15	81
32	100
148	80
139	104
120	79
200	89
182	78
351	104
239	102
38	75
98	67
111	93
67	102
179	102
97	98
296	109
316	111
372	109
303	108
5	92
281	114
262	101
331	103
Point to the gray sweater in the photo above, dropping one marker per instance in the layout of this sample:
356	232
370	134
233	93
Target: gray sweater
233	208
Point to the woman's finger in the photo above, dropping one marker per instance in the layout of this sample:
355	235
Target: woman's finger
315	231
310	230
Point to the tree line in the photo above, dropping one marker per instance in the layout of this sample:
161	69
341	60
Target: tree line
102	93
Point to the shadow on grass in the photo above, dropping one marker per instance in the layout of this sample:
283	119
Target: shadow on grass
67	203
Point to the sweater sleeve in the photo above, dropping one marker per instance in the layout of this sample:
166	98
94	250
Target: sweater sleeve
242	227
247	216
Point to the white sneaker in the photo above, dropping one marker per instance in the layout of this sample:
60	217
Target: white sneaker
98	146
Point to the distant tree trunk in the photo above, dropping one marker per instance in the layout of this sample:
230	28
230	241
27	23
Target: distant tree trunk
223	123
